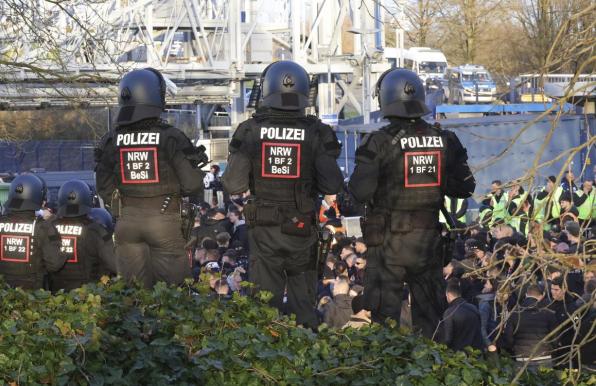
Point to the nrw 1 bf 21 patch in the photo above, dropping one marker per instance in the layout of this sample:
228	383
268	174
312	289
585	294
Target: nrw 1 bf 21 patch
280	160
422	169
69	248
15	248
138	165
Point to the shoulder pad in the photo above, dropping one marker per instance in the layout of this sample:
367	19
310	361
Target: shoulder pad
370	145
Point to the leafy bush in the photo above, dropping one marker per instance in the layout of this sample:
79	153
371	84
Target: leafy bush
113	334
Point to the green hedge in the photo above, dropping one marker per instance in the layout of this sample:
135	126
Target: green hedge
113	334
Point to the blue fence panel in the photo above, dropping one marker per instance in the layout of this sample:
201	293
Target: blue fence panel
50	155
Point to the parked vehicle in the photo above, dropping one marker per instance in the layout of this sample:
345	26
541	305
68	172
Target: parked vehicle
428	63
469	83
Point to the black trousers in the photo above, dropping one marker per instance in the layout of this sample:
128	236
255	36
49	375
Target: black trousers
413	257
280	262
150	247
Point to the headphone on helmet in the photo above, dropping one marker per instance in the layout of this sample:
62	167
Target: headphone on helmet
162	83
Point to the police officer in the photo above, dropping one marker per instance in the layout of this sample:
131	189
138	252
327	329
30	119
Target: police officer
143	170
29	245
403	171
86	245
284	158
103	218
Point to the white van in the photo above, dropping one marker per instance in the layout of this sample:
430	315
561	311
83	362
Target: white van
428	63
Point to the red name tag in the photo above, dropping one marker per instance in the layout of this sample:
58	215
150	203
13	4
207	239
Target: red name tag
138	165
15	249
69	248
280	160
422	169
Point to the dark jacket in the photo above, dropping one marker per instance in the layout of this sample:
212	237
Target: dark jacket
240	233
527	327
338	312
563	309
210	229
489	317
461	326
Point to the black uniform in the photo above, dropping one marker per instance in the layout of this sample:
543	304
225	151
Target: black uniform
152	165
29	249
403	171
29	246
284	158
88	250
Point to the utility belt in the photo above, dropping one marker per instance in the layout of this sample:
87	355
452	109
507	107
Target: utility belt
292	222
164	204
397	221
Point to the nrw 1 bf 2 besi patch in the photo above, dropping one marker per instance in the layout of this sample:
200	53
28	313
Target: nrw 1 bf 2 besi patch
422	169
138	165
280	160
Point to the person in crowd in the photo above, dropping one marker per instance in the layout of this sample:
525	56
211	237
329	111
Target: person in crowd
222	289
496	201
360	315
490	310
212	180
563	306
240	229
229	261
216	223
329	209
573	232
223	241
527	330
360	247
338	310
586	203
460	326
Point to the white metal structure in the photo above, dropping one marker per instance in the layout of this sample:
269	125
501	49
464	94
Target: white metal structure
74	51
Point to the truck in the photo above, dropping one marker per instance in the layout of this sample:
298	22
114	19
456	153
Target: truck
470	83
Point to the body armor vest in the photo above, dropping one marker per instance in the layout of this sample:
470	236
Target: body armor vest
283	160
20	259
143	165
73	246
412	171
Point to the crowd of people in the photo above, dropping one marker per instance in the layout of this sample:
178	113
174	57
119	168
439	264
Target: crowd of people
520	281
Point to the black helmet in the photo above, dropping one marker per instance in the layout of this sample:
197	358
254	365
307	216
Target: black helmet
74	199
401	94
141	95
103	218
285	85
27	192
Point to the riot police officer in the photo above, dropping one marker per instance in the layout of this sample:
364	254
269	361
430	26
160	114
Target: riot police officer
103	218
144	168
29	245
284	157
86	245
403	171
